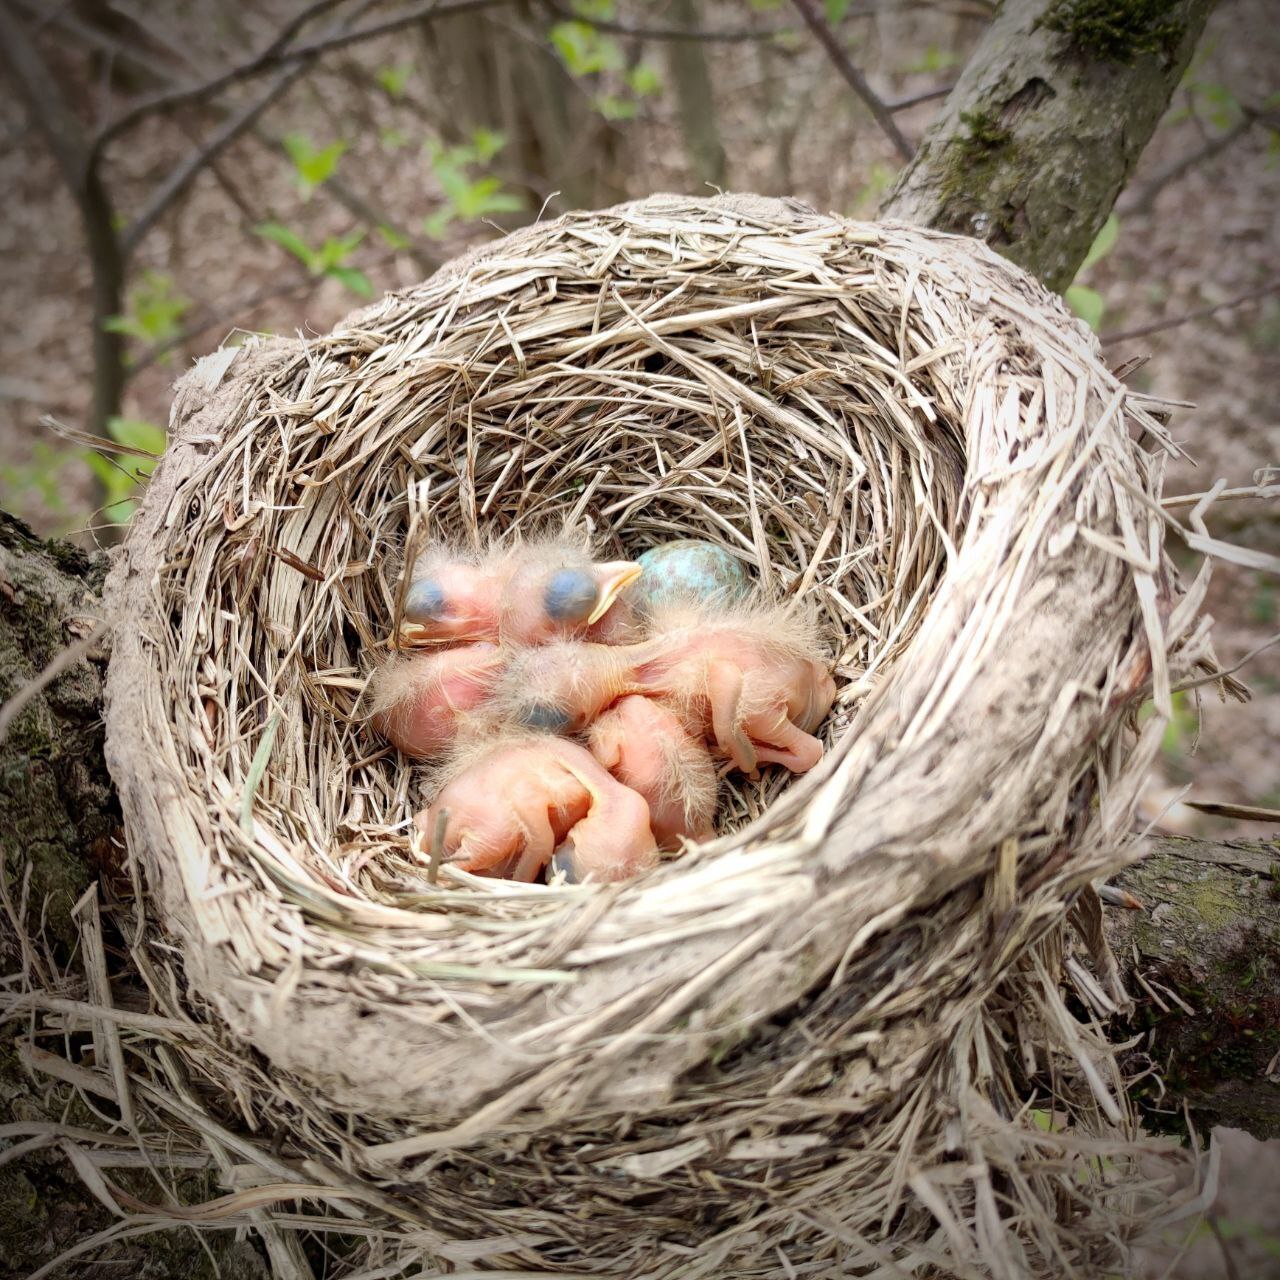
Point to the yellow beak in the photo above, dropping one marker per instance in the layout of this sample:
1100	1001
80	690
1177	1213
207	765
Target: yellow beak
614	578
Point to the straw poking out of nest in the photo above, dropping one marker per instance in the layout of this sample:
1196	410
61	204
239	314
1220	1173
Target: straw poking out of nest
821	1042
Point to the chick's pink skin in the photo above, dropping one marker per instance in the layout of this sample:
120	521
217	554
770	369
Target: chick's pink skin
526	619
511	808
508	593
471	603
562	686
646	746
420	698
756	691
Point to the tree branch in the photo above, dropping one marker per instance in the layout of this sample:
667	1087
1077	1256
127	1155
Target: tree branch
1143	200
50	114
279	54
185	172
1203	961
817	23
1159	326
1043	129
733	35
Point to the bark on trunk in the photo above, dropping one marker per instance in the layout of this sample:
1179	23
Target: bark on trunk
692	84
1045	124
1203	963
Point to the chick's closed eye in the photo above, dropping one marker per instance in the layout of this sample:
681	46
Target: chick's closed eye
570	595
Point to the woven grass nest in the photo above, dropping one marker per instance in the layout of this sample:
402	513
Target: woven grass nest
831	1042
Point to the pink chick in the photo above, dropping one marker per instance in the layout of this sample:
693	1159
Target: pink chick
524	594
646	747
561	687
514	805
750	675
418	700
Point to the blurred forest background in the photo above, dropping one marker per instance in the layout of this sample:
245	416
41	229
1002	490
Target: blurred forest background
178	174
268	167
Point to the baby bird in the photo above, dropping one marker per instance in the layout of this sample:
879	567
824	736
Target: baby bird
513	803
751	676
417	701
561	687
646	747
525	594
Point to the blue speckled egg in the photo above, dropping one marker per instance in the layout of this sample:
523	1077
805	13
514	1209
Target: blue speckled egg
690	569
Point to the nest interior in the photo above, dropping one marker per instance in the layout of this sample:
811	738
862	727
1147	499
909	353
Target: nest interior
814	1042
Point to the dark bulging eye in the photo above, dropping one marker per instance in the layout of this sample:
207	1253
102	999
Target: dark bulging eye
570	596
424	601
546	716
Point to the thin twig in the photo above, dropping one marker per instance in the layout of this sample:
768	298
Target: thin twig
277	54
176	97
185	172
929	95
809	11
1228	1262
1143	199
734	35
1159	326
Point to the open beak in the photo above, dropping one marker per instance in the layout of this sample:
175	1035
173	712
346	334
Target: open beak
613	579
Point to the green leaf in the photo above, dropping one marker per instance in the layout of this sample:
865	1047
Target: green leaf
288	239
644	79
1103	242
486	143
393	238
138	433
312	164
355	280
597	10
394	79
434	225
933	60
1087	303
154	310
583	50
392	139
836	9
612	107
335	251
1223	107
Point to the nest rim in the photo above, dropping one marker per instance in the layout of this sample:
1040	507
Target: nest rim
616	998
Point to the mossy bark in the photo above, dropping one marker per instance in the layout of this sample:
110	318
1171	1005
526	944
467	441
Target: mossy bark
1203	961
57	809
59	818
1045	124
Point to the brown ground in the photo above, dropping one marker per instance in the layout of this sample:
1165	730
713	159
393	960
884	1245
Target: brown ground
1210	235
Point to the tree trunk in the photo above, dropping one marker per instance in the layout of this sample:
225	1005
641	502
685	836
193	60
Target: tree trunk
692	86
1203	963
1045	124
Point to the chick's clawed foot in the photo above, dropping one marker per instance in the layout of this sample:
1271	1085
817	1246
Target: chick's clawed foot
750	676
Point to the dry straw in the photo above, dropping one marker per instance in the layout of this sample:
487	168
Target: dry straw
834	1042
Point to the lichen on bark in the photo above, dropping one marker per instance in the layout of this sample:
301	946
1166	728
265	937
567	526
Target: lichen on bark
1117	30
1210	935
1037	139
58	811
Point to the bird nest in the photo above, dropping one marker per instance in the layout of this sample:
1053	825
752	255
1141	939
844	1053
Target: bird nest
833	1040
